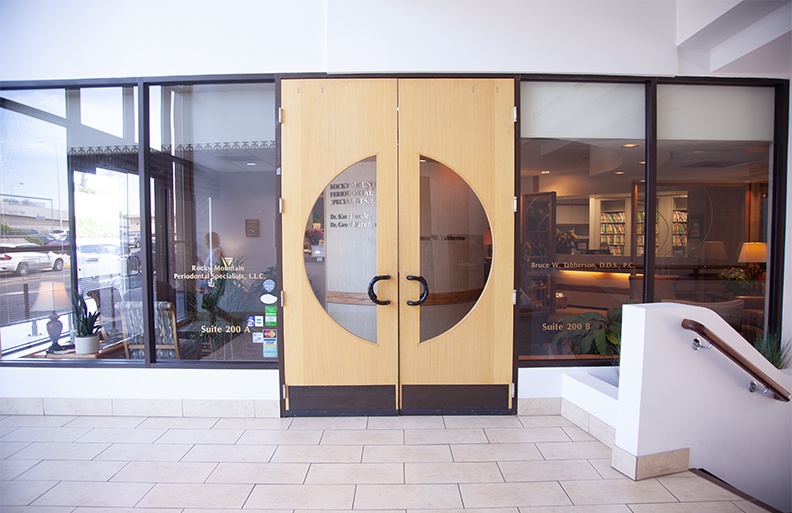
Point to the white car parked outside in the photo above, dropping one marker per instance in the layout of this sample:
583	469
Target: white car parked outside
24	257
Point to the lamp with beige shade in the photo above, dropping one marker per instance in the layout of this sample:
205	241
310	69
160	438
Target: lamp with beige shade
52	297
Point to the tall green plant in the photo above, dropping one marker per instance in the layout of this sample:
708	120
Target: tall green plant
776	352
85	324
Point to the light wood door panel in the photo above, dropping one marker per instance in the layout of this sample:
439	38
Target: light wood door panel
464	125
328	125
468	125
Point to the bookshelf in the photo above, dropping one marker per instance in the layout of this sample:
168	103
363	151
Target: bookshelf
612	230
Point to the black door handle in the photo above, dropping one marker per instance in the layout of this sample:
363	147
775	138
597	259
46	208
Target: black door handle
373	295
424	291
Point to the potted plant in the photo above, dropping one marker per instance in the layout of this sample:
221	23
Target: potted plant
736	281
592	333
86	327
565	241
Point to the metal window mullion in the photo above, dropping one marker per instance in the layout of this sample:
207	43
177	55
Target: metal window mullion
650	191
144	173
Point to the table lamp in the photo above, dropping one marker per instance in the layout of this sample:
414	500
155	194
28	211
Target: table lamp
52	297
713	251
754	254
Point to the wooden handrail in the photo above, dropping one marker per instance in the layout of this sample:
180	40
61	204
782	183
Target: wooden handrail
779	392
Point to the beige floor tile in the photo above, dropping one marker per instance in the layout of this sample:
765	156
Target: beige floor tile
329	423
573	450
481	421
444	436
616	492
544	421
259	473
441	473
122	435
355	511
200	436
557	470
85	493
688	507
240	453
44	434
526	435
257	423
407	496
8	449
10	469
696	489
180	422
318	454
144	452
64	470
406	453
59	451
282	497
164	472
356	473
61	509
106	422
513	495
213	408
466	510
750	507
134	510
363	437
281	437
406	422
603	466
577	435
37	420
246	510
606	508
495	452
206	495
22	493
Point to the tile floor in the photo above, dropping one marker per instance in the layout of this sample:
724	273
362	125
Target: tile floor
524	464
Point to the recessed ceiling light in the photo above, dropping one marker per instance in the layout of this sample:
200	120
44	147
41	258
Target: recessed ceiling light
545	172
250	164
630	145
618	172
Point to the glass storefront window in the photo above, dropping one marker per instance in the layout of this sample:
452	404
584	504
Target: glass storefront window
214	202
582	151
714	149
47	144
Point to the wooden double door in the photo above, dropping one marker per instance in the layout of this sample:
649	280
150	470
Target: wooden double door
398	257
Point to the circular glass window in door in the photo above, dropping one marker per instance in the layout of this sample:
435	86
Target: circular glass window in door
340	248
456	248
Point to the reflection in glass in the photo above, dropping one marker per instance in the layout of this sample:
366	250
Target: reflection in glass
713	186
456	248
582	152
341	248
213	189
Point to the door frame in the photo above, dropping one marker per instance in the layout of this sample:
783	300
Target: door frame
512	408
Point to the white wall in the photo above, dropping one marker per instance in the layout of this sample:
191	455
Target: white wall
53	39
672	397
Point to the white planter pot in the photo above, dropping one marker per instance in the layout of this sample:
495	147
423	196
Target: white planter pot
86	345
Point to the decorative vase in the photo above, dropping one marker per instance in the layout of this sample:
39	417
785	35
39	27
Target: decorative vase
86	345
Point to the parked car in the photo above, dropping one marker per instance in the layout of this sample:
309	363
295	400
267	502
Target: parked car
24	257
105	258
59	233
133	240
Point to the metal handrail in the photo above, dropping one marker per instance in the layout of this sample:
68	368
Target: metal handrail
779	392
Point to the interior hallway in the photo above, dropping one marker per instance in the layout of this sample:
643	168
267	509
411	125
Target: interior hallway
65	464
